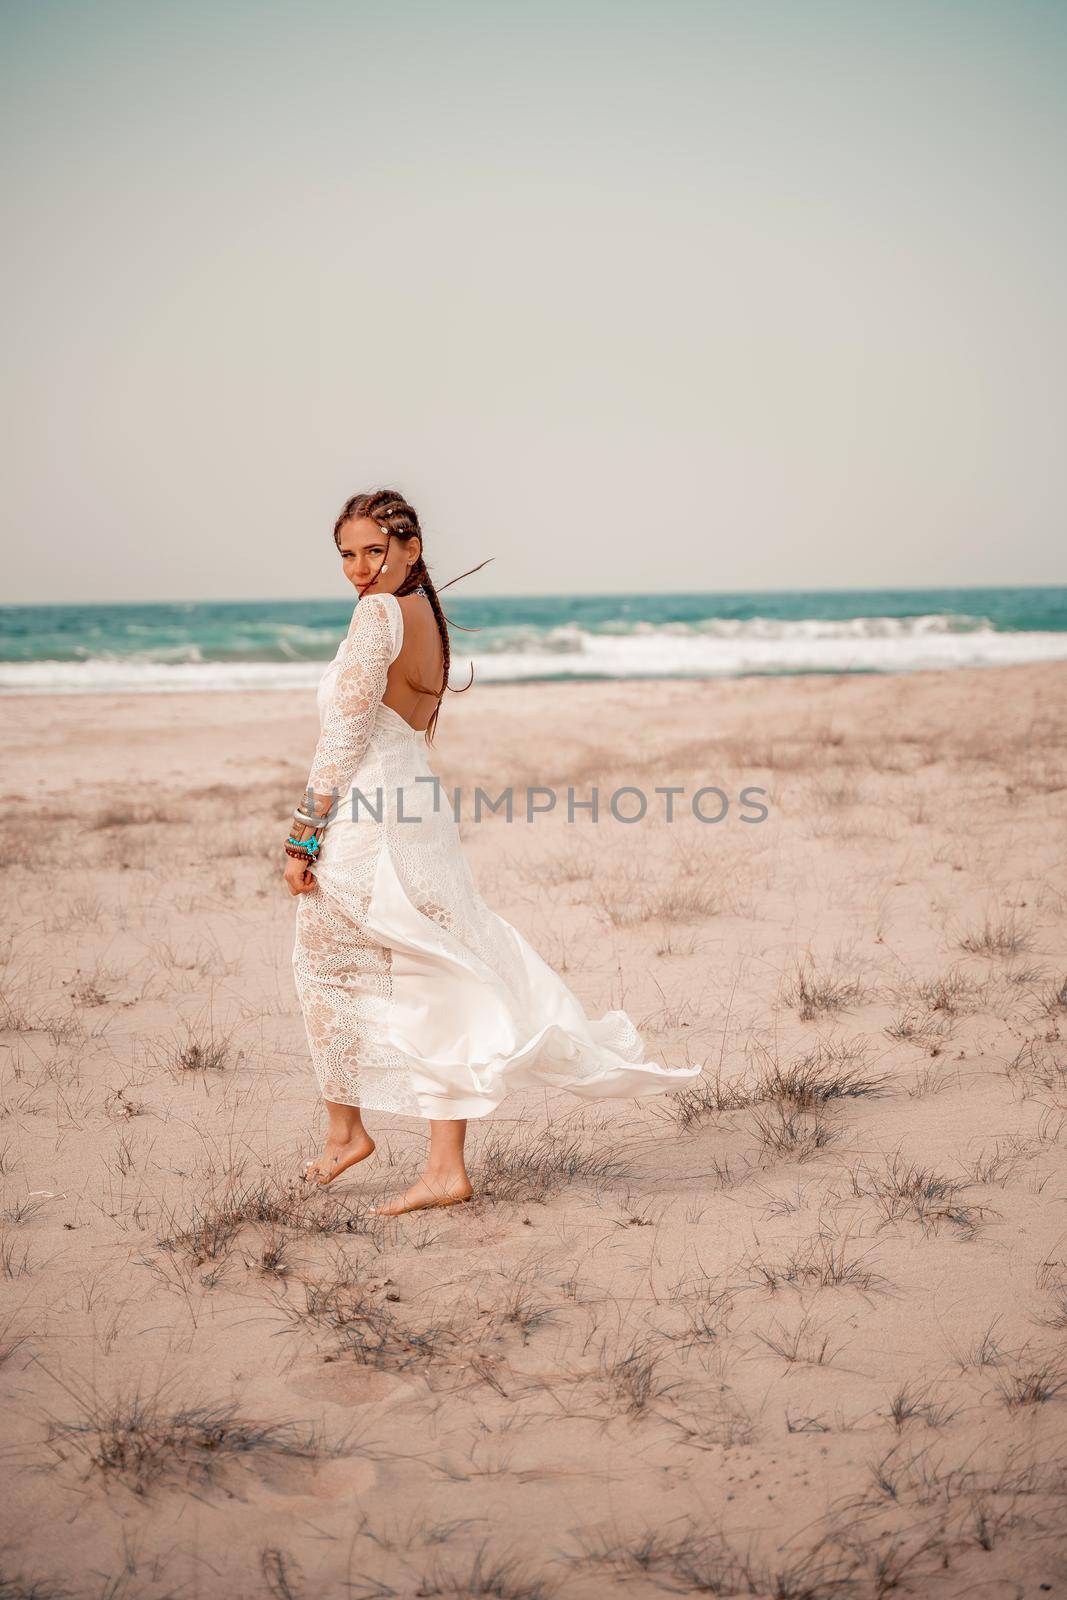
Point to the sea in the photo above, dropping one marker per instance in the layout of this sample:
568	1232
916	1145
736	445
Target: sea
283	644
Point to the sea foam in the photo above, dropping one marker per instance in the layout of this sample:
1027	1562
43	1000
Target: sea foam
715	647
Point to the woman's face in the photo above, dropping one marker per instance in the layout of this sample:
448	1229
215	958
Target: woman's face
363	548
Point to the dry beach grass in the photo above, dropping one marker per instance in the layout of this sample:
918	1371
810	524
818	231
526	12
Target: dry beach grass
796	1332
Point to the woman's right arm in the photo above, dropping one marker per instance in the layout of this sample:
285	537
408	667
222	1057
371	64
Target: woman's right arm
357	692
346	725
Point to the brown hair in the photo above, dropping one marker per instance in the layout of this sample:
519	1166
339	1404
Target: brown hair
399	520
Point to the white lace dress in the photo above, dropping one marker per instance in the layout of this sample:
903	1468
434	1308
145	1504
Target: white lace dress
417	998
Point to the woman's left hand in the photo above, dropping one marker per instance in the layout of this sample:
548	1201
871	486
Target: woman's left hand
298	876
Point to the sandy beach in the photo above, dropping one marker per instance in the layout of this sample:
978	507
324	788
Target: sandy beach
797	1332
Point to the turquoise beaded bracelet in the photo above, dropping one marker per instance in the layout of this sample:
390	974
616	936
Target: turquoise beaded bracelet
310	846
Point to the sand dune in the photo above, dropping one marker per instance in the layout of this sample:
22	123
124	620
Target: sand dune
797	1332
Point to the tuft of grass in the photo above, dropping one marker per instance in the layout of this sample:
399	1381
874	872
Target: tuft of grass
1033	1386
200	1046
983	1351
953	994
116	815
787	1132
17	1017
281	1573
630	1375
17	1586
824	1262
202	1055
690	898
140	1440
916	1026
1025	977
996	1165
522	1310
1057	1317
805	1345
205	961
806	1424
707	1097
904	1190
1002	935
889	1478
834	792
723	1176
813	993
10	1265
365	1326
369	1329
10	1344
488	1577
989	1521
207	1234
825	1073
670	944
1054	999
929	1079
1038	1064
93	988
573	864
524	1166
726	1426
686	1561
910	1403
84	911
270	1258
707	1315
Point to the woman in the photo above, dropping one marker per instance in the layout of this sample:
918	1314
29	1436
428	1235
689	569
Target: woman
417	998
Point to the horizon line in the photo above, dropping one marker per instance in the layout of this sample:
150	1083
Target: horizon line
591	594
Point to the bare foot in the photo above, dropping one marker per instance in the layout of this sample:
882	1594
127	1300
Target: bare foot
426	1192
337	1158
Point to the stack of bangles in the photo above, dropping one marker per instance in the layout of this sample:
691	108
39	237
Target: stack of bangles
305	849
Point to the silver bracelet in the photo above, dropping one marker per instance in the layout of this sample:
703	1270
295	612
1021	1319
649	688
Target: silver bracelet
311	821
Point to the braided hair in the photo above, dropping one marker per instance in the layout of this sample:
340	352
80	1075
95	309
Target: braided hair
399	520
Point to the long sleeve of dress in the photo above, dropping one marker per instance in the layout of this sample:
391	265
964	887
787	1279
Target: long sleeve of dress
358	688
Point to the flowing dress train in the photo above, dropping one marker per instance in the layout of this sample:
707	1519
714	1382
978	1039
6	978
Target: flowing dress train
418	998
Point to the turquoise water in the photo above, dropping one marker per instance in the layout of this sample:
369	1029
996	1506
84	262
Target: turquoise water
282	644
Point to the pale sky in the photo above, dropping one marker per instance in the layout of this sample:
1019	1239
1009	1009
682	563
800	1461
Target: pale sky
626	296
